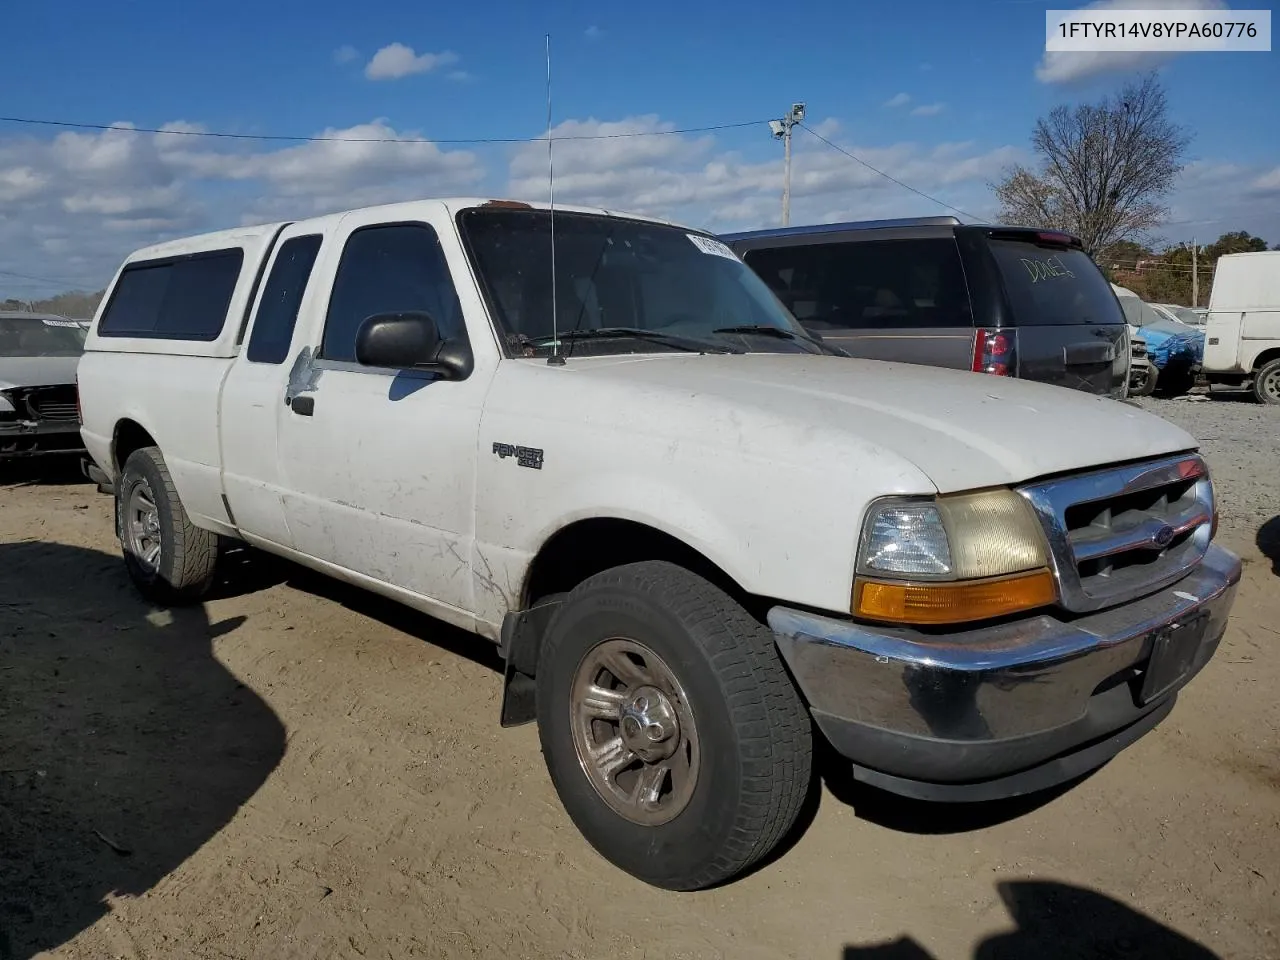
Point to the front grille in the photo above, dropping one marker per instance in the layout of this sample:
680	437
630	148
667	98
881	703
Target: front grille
1120	533
53	403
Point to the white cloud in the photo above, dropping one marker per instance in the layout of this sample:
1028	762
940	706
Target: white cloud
690	180
346	54
898	100
593	32
928	109
1212	198
1269	182
73	206
396	60
1066	67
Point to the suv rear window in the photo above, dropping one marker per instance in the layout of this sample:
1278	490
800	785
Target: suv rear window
1054	286
868	284
173	299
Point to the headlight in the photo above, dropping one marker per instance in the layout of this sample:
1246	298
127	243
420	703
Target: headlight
951	559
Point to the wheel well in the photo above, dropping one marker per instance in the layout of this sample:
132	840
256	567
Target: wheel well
1265	357
588	547
129	436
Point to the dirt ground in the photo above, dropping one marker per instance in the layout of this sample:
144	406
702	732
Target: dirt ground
298	770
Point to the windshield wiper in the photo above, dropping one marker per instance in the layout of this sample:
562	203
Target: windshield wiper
636	333
765	330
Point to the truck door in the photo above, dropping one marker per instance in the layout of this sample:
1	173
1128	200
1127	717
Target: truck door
252	401
378	464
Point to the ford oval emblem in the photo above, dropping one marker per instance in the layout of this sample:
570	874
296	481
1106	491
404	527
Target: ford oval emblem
1163	536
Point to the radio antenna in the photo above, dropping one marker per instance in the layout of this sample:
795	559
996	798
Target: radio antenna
555	359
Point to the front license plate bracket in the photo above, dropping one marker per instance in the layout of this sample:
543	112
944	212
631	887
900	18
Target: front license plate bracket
1173	652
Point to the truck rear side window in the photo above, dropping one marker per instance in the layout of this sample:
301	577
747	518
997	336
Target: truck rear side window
387	269
1054	286
893	284
281	297
181	298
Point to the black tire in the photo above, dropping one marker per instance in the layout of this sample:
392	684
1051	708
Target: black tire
1266	382
188	554
755	763
1148	384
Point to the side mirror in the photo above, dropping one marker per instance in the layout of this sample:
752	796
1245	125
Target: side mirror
410	340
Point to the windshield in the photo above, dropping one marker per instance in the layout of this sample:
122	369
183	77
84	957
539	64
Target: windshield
38	337
1054	286
1139	313
1185	314
617	274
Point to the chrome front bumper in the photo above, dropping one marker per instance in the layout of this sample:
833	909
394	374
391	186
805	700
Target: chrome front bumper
1005	709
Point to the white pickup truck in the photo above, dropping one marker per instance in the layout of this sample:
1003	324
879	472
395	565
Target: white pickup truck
700	536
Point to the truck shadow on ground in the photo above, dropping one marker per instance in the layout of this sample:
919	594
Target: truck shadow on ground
246	570
1063	922
42	471
908	815
1269	543
125	746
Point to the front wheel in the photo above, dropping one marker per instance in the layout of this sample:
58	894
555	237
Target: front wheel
673	734
169	559
1146	385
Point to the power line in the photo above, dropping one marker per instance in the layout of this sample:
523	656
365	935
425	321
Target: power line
28	276
223	135
905	186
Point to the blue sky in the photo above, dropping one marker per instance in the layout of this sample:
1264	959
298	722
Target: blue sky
941	95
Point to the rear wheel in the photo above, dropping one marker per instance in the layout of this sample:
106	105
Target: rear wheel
1266	383
169	559
673	734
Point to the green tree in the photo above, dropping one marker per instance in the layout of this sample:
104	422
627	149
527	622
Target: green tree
1239	241
1104	169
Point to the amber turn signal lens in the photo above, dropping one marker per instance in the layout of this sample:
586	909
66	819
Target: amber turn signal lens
952	602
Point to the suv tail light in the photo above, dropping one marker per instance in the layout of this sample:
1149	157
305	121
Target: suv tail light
79	409
995	352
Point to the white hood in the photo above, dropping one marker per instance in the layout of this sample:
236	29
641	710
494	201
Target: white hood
961	430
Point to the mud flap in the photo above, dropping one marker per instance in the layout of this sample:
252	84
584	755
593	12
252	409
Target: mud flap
520	645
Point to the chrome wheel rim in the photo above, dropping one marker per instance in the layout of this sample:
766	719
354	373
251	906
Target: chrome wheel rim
142	526
634	732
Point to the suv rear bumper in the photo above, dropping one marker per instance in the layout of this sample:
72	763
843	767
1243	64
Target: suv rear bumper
1004	710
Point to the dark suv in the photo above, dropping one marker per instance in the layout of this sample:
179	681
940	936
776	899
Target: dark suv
1009	301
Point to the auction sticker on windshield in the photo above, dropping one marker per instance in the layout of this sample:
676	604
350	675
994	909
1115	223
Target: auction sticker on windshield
713	247
59	323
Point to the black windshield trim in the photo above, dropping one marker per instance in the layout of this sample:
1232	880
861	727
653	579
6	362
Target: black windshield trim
686	344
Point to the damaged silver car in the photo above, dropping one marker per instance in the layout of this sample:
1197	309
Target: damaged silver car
38	401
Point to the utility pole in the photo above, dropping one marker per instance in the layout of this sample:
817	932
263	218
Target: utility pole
782	131
1195	275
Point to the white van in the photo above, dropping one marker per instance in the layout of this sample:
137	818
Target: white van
1242	336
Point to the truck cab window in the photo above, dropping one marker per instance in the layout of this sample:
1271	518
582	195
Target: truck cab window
385	269
281	298
184	298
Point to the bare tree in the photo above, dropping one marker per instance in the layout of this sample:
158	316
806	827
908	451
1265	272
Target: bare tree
1104	168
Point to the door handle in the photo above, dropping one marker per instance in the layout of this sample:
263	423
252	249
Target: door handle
303	406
